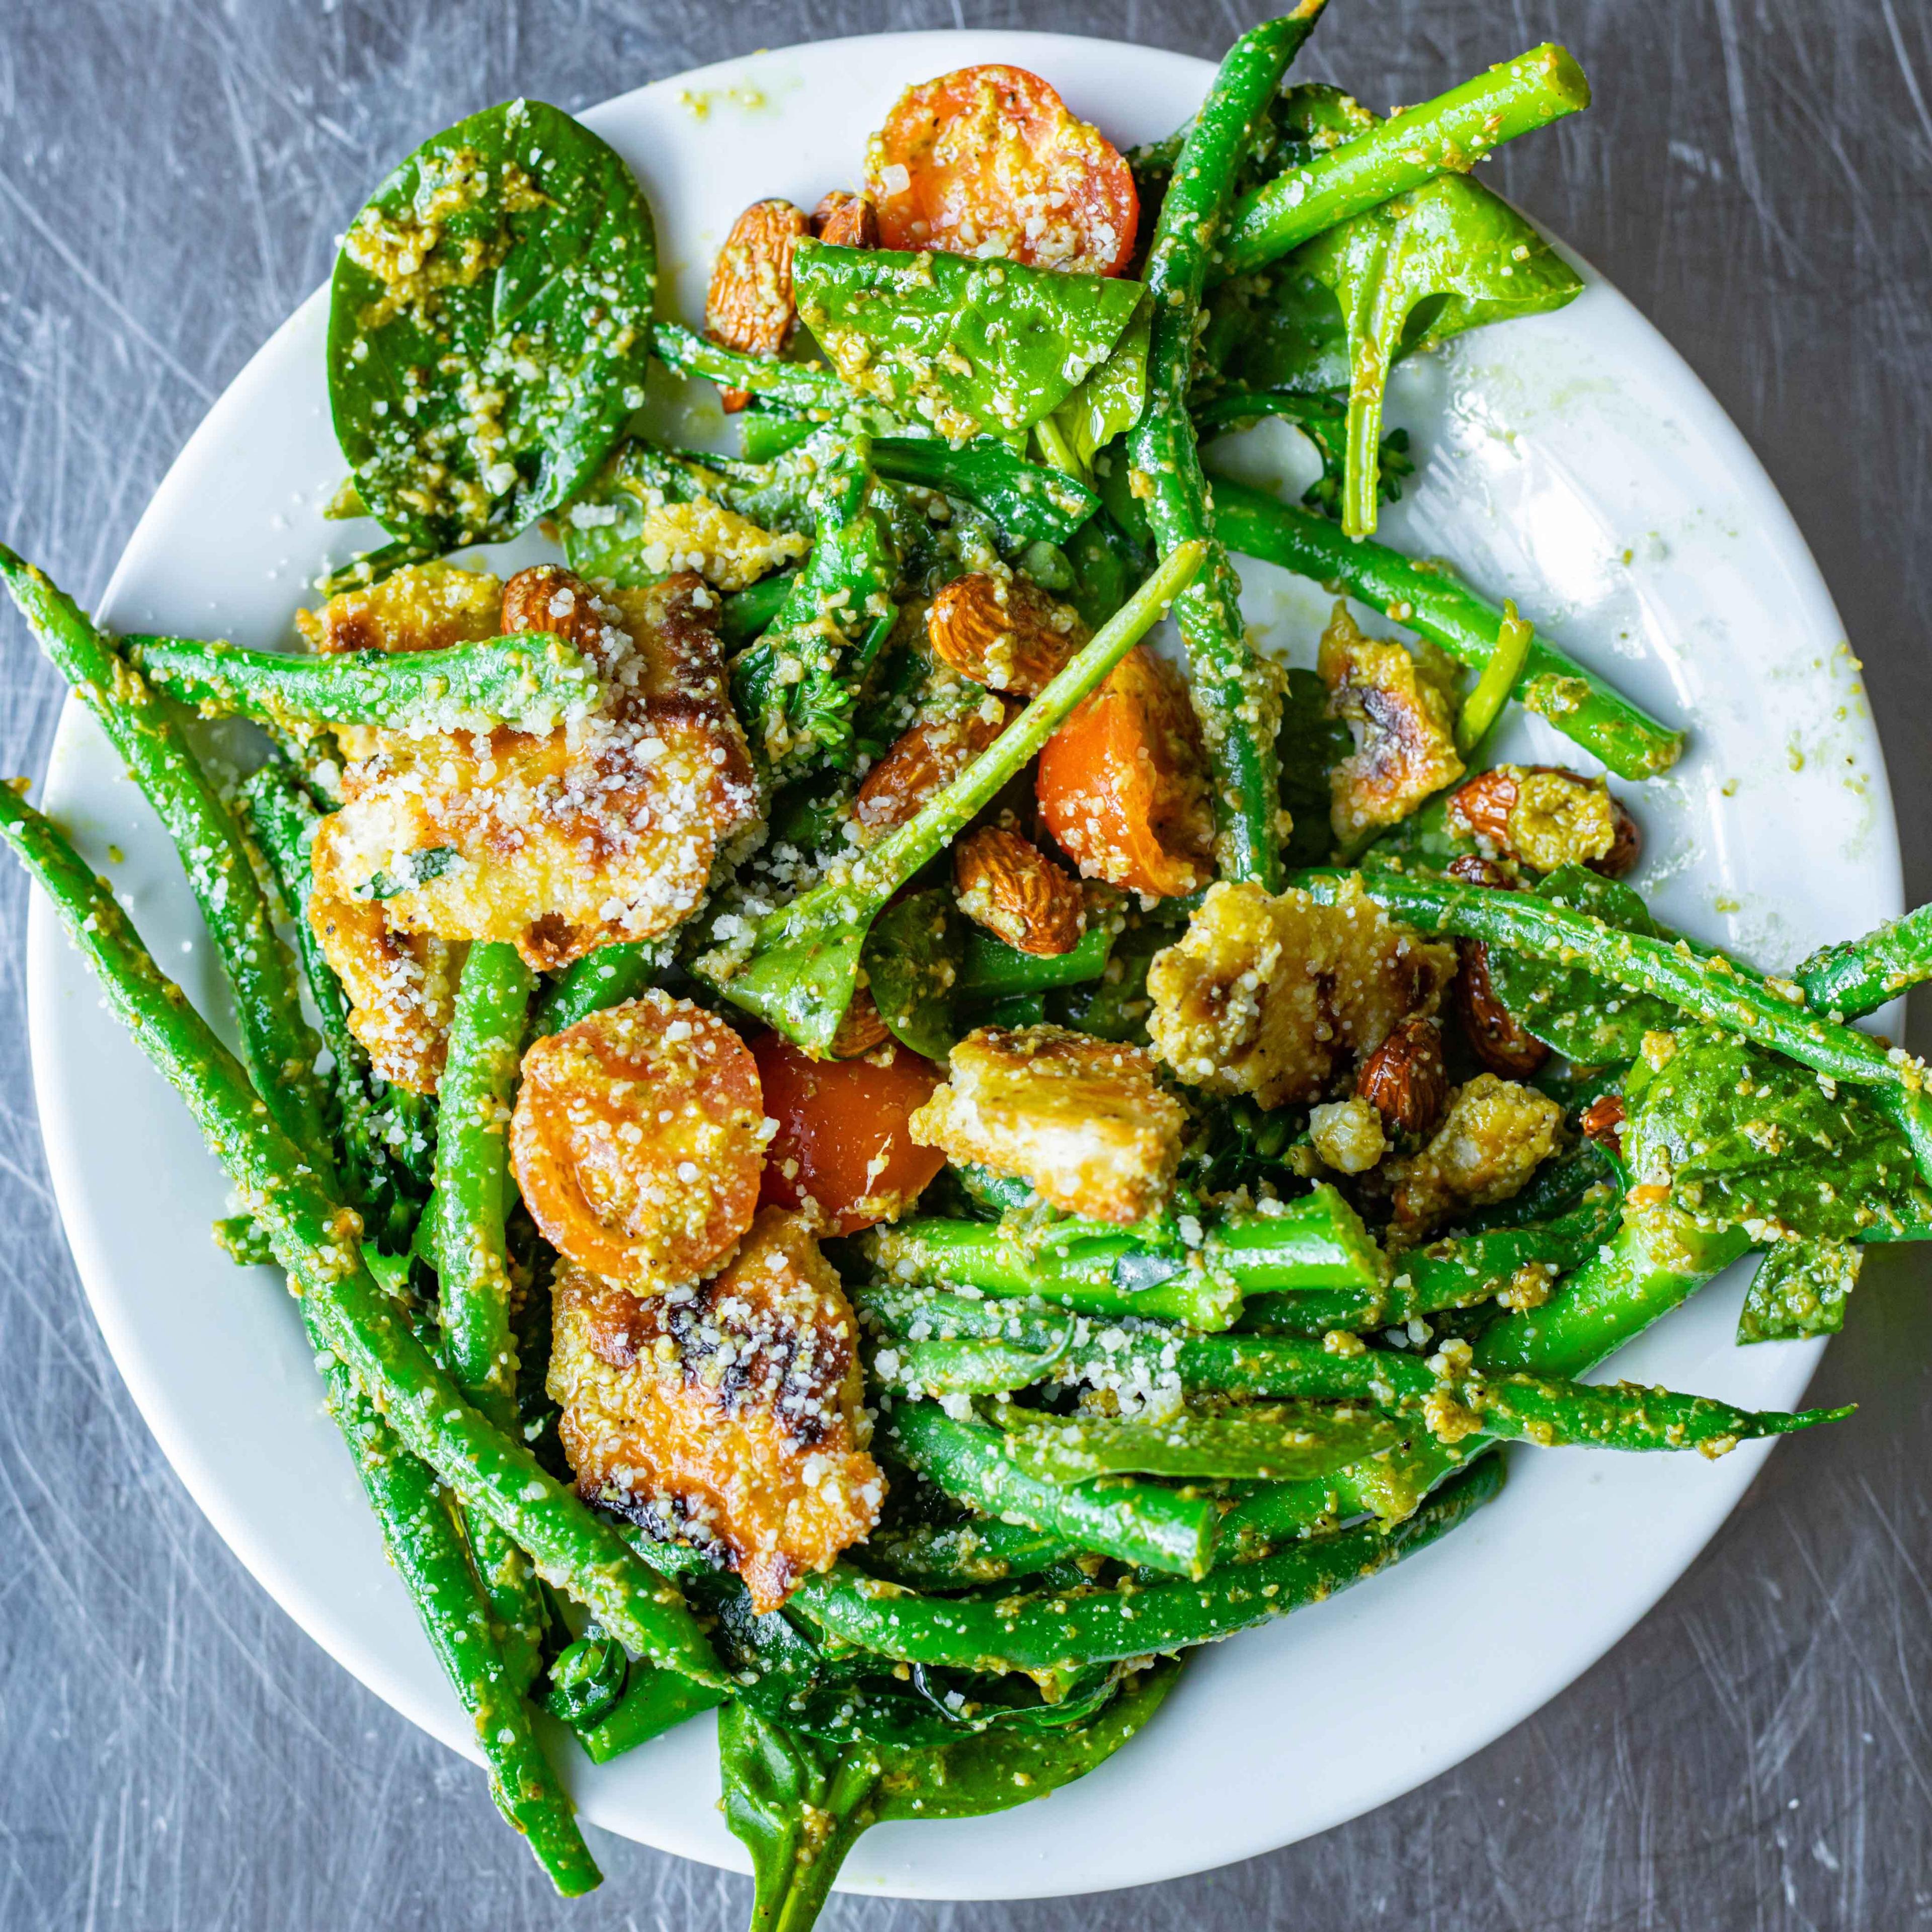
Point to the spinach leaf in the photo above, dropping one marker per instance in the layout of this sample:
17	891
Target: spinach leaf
1311	744
1029	502
1800	1289
490	323
1567	1007
1443	258
1740	1136
1323	419
1108	404
912	958
969	345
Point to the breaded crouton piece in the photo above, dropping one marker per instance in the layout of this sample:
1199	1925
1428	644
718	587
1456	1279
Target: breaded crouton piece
1085	1119
602	831
728	1416
400	987
1495	1135
1402	722
423	607
1275	997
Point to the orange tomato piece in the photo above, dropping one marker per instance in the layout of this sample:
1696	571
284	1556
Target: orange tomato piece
638	1139
988	160
1120	784
842	1155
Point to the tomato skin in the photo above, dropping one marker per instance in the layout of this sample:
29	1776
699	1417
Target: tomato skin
1120	784
989	161
835	1118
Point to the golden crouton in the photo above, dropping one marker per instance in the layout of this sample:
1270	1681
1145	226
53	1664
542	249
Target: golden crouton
423	607
638	1140
1085	1119
1400	718
1495	1137
401	988
602	831
1275	997
728	1416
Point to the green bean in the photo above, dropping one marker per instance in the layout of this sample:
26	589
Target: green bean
1070	1629
992	970
1231	687
1453	132
958	1555
747	614
1857	977
1707	986
423	1543
530	683
655	1701
605	978
1428	599
804	385
277	1042
315	1243
474	1097
1142	1523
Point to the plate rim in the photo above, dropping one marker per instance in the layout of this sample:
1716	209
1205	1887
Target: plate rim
43	938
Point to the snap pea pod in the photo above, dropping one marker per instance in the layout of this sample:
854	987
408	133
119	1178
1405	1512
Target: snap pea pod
1429	599
383	1132
277	1043
1230	687
531	684
1707	986
423	1543
1857	977
1451	133
474	1097
315	1242
1066	1630
1143	1523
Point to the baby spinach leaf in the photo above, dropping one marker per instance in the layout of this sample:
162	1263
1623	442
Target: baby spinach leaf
1311	744
1108	402
912	960
969	345
489	322
1027	501
1800	1289
1443	258
1740	1136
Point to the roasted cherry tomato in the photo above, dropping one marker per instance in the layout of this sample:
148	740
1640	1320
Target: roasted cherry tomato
987	160
842	1155
637	1140
1120	784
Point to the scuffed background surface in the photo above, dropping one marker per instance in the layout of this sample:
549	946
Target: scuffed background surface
1758	178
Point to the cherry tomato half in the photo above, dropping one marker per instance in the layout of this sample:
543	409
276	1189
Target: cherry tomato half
842	1154
1120	785
988	160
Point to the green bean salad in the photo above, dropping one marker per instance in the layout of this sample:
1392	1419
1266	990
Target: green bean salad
858	1150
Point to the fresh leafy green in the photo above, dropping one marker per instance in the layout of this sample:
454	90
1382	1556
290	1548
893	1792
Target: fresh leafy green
1029	502
1323	419
912	958
969	345
1311	744
1800	1289
1107	403
490	324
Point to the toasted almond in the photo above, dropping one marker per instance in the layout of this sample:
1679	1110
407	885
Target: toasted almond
860	1030
1603	1122
1011	887
1626	846
846	220
1496	1038
750	306
1479	808
929	756
1002	632
1545	816
1405	1080
548	599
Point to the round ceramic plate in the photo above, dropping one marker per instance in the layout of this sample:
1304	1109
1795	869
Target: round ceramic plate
1572	461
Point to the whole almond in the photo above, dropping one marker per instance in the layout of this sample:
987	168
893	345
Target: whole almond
1620	861
548	599
1494	1037
1603	1122
860	1029
846	220
1010	886
1002	632
929	756
1405	1080
750	307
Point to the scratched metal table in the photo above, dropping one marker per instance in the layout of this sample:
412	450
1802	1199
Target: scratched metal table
1757	176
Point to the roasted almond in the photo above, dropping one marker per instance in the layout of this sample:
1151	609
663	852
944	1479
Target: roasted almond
860	1030
1405	1080
1002	632
1626	846
846	220
929	756
1011	887
1480	807
1496	1039
1545	816
750	307
548	599
1603	1122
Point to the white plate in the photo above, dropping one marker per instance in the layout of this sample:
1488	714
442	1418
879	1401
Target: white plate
1573	461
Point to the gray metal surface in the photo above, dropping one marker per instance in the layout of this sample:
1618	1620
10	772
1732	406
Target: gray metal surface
1757	176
